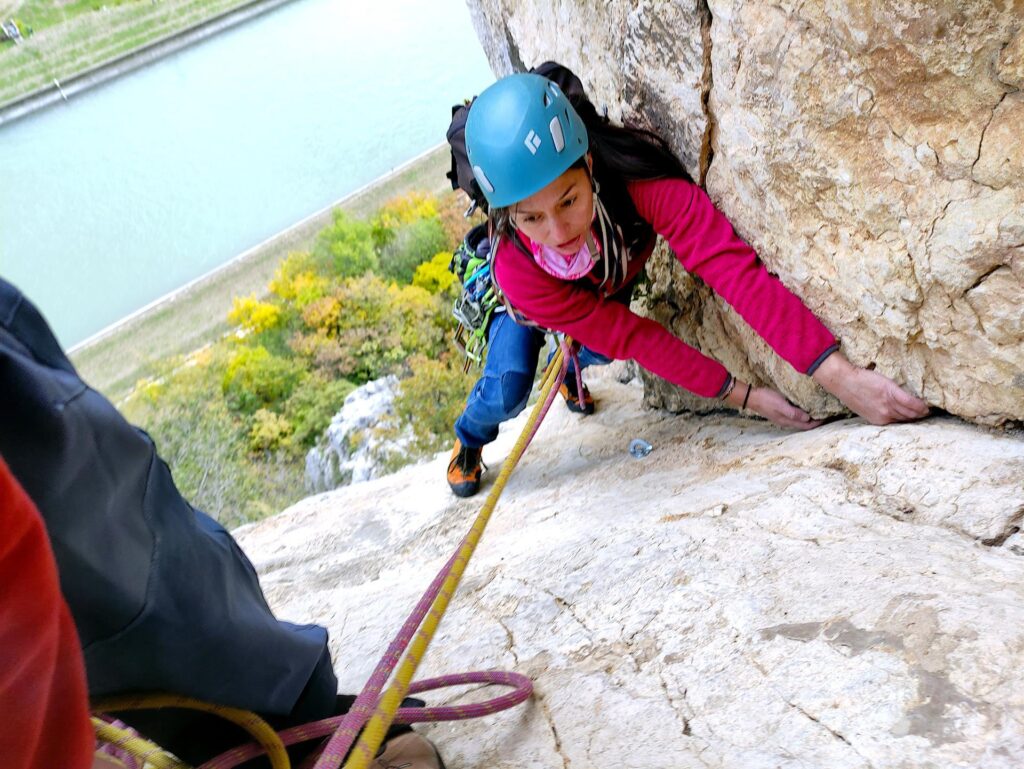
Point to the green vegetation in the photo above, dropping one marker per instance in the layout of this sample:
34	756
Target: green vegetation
199	316
235	398
40	14
70	37
235	419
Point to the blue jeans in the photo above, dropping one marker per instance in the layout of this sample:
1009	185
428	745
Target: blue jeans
503	390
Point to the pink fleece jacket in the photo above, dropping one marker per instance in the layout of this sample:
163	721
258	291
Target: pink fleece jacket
706	245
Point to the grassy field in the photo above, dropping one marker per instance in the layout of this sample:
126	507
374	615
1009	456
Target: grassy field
69	36
198	316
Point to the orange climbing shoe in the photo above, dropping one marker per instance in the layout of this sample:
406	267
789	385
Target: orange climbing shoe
573	402
464	470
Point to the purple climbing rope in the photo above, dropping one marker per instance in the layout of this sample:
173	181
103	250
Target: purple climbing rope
522	688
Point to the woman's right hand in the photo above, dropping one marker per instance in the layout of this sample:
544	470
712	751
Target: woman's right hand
868	393
771	405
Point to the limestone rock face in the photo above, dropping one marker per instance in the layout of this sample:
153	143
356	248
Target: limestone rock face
870	152
848	597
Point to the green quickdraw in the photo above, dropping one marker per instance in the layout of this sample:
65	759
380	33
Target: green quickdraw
479	299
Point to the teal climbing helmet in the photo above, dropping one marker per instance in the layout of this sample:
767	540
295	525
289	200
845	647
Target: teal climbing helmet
522	134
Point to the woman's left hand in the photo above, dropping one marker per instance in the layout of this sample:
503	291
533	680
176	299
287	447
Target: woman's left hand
868	393
771	405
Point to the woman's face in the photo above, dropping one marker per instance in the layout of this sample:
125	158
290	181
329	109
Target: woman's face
559	215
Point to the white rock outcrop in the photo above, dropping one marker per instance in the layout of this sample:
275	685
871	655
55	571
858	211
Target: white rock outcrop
352	448
870	152
848	597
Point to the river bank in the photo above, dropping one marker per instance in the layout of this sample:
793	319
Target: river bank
116	358
88	49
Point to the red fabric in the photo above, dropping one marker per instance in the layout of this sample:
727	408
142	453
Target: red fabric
706	245
44	710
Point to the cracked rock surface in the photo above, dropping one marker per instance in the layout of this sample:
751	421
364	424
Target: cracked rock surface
870	152
741	597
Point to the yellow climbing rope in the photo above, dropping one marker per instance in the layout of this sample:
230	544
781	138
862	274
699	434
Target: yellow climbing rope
144	750
373	734
259	729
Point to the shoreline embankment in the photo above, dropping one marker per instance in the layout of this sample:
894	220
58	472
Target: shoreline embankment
116	358
59	92
259	248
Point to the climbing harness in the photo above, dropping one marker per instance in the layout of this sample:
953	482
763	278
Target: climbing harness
370	709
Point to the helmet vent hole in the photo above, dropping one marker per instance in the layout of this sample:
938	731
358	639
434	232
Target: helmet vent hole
481	177
555	129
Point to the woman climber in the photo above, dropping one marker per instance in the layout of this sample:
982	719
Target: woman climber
575	205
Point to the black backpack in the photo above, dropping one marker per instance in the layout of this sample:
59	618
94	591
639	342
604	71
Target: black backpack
461	175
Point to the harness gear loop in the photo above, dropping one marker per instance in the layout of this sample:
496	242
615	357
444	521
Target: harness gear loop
479	300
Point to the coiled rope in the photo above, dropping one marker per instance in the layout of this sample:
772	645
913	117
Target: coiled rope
376	712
